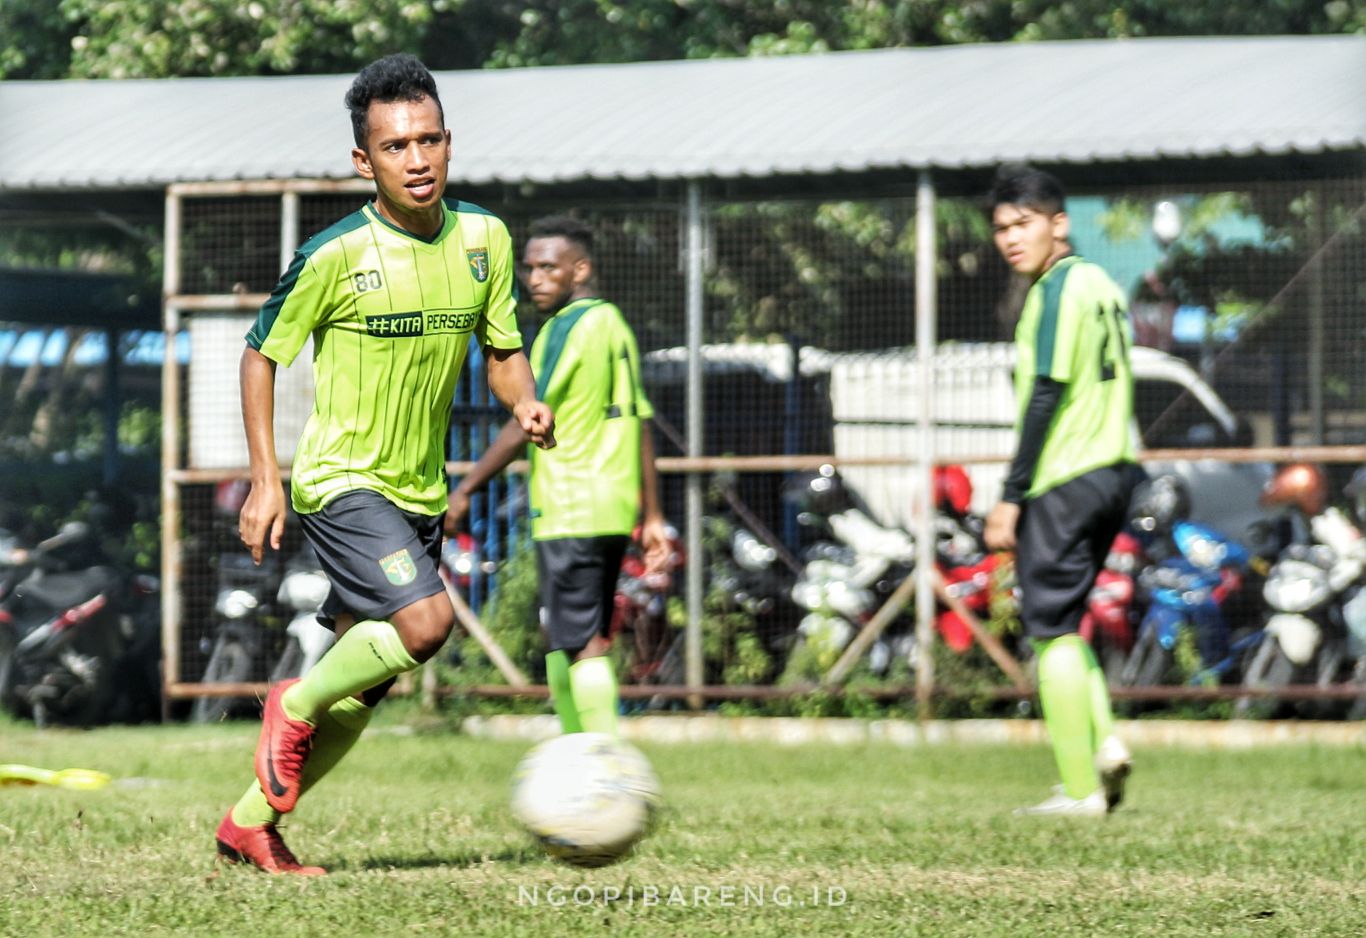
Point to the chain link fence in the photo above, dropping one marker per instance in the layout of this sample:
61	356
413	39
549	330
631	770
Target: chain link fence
1248	302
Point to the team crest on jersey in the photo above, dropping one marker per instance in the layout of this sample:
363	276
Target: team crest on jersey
399	568
479	264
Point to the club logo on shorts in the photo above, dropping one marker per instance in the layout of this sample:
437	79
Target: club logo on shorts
399	568
479	264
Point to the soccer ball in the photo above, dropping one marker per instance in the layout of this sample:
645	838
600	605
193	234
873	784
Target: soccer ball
587	797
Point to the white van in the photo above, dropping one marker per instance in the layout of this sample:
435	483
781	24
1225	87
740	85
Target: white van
873	403
874	398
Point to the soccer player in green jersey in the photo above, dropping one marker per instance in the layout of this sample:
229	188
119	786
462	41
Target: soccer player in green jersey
1068	488
587	493
391	296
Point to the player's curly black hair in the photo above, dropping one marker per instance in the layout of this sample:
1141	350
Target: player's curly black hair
393	78
572	229
1019	184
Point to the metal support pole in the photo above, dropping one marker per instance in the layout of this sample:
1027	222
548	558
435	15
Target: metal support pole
170	455
1316	330
926	313
111	404
289	228
792	441
694	251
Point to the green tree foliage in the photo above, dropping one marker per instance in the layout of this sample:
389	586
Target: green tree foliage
185	38
35	40
162	38
564	32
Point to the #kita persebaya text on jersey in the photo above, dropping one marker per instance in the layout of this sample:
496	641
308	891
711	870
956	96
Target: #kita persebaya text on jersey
391	317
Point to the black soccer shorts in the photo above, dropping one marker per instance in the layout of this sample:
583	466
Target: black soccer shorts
378	557
1061	543
578	583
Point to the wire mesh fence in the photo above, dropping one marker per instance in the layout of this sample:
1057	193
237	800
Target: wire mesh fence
1247	307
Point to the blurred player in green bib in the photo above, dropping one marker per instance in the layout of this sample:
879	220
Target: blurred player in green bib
588	493
1068	489
391	295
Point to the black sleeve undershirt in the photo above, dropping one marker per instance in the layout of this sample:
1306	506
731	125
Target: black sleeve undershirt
1043	404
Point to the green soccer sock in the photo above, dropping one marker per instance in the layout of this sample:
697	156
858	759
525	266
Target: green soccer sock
1065	693
1102	716
252	810
595	694
338	731
561	694
368	654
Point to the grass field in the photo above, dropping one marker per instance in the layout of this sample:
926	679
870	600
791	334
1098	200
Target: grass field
756	840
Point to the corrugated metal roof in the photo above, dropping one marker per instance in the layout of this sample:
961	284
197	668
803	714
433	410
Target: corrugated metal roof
850	112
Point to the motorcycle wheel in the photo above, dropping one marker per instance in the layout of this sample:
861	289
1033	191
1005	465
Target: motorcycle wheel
1112	661
671	671
1269	668
1330	660
1148	663
1357	711
290	664
229	663
1146	666
7	675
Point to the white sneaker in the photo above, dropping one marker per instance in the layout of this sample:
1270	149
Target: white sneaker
1114	763
1093	805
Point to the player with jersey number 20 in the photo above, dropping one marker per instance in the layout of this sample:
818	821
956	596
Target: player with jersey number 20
1068	488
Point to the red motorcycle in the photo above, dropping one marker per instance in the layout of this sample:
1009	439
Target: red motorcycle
640	611
967	568
1108	621
969	573
971	584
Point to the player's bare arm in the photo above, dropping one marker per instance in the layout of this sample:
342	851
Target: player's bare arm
263	513
506	447
654	538
511	382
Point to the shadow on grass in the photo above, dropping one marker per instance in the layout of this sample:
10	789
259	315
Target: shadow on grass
528	855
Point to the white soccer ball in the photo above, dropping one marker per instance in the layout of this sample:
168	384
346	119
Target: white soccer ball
587	797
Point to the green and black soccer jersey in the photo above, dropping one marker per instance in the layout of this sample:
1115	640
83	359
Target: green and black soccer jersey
1074	330
587	369
391	316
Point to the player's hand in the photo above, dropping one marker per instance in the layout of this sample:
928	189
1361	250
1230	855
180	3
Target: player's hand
1000	529
654	541
457	507
537	422
262	518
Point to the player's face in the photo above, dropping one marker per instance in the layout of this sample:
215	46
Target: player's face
406	154
1030	240
555	271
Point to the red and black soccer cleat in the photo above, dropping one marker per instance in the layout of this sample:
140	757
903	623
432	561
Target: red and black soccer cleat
282	751
262	847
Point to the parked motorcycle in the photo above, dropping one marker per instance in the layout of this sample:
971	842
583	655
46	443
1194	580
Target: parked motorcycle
848	574
1309	593
302	591
1108	623
640	620
77	643
1194	570
1354	609
245	622
747	575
